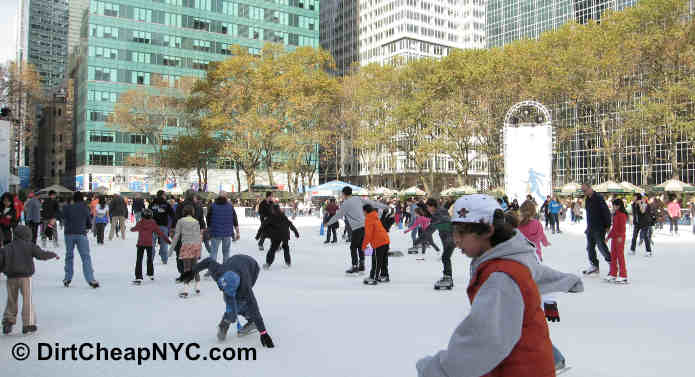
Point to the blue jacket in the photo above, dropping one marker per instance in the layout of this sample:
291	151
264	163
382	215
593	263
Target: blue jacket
76	218
598	216
221	218
555	207
247	269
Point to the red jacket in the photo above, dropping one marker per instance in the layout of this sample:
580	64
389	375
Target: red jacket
618	229
18	206
374	232
533	354
145	228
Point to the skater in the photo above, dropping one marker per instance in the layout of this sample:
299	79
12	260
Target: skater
235	278
505	332
555	207
331	209
422	222
50	211
101	218
188	232
674	215
146	229
77	223
32	215
137	207
531	228
8	218
223	226
118	211
643	221
17	262
440	221
376	236
354	215
161	211
264	211
277	227
598	222
190	198
545	209
617	237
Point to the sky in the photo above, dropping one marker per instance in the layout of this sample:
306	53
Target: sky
8	29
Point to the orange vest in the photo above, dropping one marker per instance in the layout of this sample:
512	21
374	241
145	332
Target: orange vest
532	356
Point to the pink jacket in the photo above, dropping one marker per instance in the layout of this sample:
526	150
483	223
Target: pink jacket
674	209
422	221
533	230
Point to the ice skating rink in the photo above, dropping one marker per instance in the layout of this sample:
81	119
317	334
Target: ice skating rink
327	324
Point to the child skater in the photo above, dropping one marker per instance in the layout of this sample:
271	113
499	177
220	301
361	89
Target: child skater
235	278
617	236
188	232
505	332
277	227
17	262
101	218
440	221
530	227
422	221
145	228
376	236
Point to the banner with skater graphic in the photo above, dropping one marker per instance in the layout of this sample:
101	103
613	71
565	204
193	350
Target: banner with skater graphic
4	156
528	158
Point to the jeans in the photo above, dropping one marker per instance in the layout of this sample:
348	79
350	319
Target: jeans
596	238
356	252
214	245
163	246
414	234
82	243
555	222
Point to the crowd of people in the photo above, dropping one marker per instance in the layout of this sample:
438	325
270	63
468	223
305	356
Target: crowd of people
505	241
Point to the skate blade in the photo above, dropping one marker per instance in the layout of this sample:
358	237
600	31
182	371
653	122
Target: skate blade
562	371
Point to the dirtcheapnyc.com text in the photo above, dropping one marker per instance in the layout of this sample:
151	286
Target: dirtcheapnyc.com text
162	351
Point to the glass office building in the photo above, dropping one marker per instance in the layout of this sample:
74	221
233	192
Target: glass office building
511	20
130	43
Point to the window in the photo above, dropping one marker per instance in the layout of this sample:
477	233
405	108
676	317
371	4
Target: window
171	61
142	37
138	139
172	41
101	158
225	163
101	74
101	137
140	78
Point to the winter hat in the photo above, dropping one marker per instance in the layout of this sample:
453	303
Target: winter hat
477	208
147	213
31	195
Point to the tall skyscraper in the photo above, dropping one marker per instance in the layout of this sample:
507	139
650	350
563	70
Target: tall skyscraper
374	31
511	20
127	44
43	38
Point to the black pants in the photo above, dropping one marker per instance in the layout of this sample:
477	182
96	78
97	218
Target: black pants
332	229
274	246
446	258
673	224
356	252
138	262
34	231
380	262
100	232
548	220
596	238
347	232
635	234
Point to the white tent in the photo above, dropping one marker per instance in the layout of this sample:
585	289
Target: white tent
412	191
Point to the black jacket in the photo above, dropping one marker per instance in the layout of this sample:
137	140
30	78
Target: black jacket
247	268
198	213
138	205
117	207
598	216
17	258
264	210
161	211
276	227
50	209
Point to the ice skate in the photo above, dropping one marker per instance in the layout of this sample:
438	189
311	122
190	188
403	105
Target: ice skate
94	284
445	282
361	268
183	294
383	279
592	270
260	247
370	281
609	279
288	265
6	327
621	281
266	266
413	250
137	282
247	329
353	270
222	329
649	254
66	283
29	329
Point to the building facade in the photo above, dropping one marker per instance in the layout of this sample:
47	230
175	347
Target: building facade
512	20
54	155
127	44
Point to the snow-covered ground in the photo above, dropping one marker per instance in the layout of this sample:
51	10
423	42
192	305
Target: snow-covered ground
327	324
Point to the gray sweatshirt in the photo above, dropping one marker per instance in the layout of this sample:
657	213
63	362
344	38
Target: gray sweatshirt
32	210
188	231
352	210
493	327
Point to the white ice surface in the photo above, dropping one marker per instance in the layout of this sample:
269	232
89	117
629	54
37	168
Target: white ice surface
326	324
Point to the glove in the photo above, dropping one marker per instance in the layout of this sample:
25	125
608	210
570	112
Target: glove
186	277
266	341
551	312
296	234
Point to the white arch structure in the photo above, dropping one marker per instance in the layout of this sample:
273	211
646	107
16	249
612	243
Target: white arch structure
520	105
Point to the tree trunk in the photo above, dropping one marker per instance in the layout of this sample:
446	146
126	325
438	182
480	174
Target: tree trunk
607	149
675	166
238	178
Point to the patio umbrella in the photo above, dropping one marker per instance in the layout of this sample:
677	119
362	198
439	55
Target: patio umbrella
570	188
383	191
57	188
609	186
674	185
412	191
461	190
629	187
